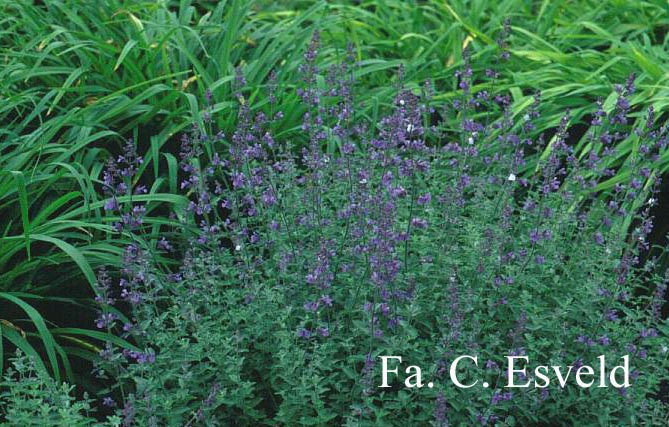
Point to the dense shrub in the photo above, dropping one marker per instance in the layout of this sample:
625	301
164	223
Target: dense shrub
306	255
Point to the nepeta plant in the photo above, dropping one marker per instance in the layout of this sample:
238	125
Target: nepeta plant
407	238
32	398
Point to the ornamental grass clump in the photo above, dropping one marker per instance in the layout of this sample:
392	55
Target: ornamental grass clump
427	234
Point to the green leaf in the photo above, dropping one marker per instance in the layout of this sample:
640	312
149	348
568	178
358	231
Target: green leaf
124	52
66	85
20	181
73	253
23	344
49	343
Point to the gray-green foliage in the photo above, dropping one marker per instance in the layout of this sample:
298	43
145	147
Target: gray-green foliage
32	398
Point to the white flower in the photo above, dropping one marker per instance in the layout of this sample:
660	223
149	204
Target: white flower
363	181
665	349
651	201
470	140
410	127
511	177
238	247
401	102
